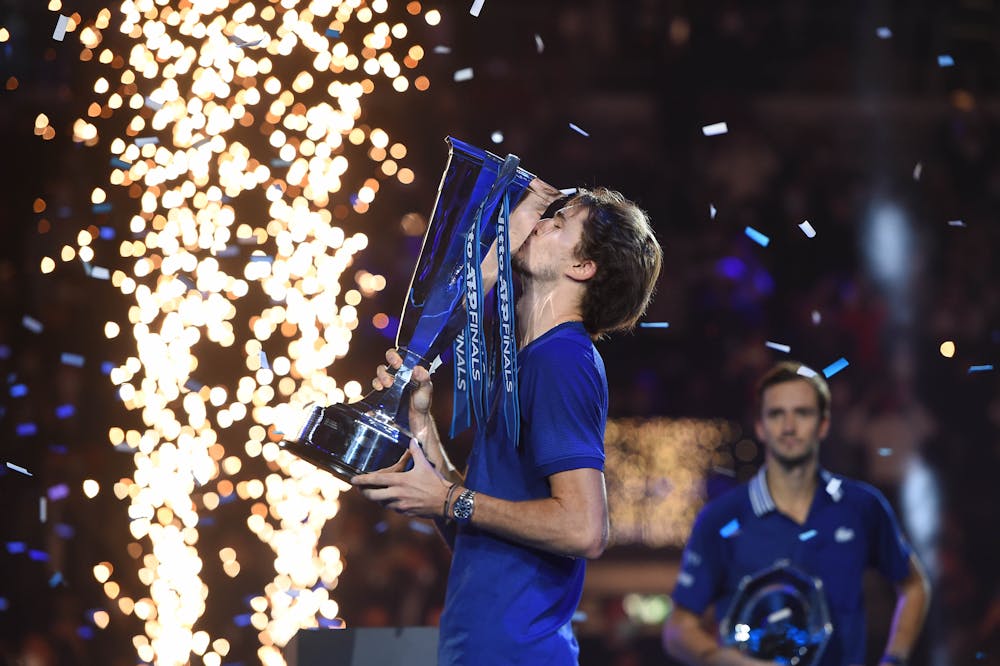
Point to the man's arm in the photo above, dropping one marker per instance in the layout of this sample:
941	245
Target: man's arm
912	600
572	522
685	639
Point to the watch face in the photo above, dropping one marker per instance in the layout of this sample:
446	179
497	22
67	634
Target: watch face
463	507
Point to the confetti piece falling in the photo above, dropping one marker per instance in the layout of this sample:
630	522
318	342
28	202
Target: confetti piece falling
883	32
808	534
60	32
539	44
885	452
806	371
146	141
57	492
778	346
441	49
835	367
816	317
578	130
715	129
43	509
956	223
330	32
730	528
497	137
100	273
263	361
569	191
833	488
807	229
18	390
76	360
756	236
31	324
477	6
26	429
463	74
654	324
980	368
917	170
18	468
945	60
712	211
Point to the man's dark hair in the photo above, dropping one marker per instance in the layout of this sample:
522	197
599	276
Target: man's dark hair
788	371
618	238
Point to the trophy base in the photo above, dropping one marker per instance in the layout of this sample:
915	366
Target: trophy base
347	441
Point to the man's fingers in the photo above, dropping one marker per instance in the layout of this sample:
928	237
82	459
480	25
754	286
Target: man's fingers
393	358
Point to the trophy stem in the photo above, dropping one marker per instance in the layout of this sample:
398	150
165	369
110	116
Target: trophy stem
386	403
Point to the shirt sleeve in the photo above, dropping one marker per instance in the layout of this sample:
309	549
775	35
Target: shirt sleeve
564	408
890	552
699	578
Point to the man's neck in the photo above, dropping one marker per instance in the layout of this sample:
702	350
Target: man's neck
541	308
792	488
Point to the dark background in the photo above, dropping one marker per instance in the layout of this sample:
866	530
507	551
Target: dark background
868	138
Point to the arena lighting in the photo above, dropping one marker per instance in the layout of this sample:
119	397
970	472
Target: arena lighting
234	133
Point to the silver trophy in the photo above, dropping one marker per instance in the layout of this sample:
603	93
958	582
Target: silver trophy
475	188
779	614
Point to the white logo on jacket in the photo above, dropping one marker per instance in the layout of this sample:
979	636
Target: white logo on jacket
843	534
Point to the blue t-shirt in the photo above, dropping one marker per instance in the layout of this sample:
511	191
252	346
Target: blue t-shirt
850	527
508	603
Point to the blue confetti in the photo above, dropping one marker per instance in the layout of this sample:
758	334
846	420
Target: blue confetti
56	578
263	361
4	604
65	411
980	368
18	390
422	527
85	632
730	528
579	130
107	233
58	492
15	547
76	360
31	324
756	236
58	449
805	536
331	624
4	351
107	367
654	324
101	208
835	367
945	60
883	32
330	32
64	531
193	385
120	164
26	429
38	555
242	620
885	452
381	526
280	163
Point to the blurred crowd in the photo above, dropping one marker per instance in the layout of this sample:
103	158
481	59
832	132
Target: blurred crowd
891	158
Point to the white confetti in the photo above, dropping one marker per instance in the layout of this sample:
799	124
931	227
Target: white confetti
18	468
816	317
146	140
43	509
463	74
497	137
578	129
60	32
807	229
569	191
477	6
442	49
806	371
539	44
917	170
712	210
715	129
100	273
153	104
778	346
956	223
883	32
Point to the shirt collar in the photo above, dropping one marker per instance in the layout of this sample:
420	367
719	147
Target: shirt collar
762	502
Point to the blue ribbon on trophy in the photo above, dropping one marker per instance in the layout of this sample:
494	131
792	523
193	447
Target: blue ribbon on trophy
474	370
444	305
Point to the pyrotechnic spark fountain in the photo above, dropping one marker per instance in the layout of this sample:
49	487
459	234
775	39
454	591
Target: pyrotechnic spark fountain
228	110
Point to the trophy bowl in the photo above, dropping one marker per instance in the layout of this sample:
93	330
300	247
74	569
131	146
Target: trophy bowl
779	614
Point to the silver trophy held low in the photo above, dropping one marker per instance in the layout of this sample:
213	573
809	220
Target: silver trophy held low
364	436
779	614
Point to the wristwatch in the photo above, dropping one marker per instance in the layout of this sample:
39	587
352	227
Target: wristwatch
462	510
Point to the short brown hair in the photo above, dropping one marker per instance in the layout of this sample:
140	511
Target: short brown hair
788	371
618	238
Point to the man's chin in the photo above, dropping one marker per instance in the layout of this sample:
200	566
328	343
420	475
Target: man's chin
793	462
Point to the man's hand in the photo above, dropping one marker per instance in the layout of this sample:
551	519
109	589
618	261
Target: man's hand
529	210
419	492
420	398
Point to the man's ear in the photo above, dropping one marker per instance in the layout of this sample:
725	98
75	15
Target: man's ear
582	270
